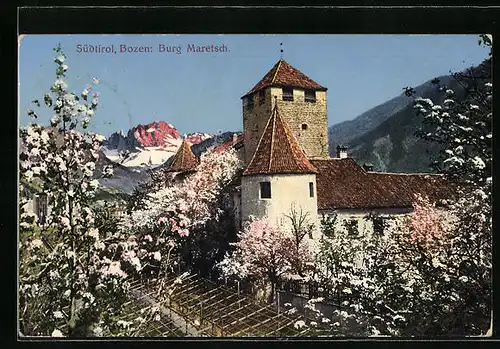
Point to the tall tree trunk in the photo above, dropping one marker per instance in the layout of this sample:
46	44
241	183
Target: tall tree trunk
270	298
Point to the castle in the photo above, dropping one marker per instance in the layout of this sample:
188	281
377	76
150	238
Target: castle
287	167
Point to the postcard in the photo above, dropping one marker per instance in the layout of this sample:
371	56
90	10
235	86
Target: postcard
258	185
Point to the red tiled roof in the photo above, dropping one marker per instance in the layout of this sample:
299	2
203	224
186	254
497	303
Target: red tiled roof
236	143
278	150
184	159
342	183
284	75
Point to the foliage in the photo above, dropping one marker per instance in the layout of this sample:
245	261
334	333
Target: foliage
265	254
464	128
425	275
167	214
462	125
139	196
329	224
69	279
106	216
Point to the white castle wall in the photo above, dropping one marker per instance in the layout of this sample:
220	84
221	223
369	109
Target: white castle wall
287	190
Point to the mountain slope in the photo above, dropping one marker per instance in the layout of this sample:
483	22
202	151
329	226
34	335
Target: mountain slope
212	141
124	179
384	135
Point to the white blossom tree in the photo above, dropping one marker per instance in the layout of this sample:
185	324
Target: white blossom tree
429	273
70	282
463	126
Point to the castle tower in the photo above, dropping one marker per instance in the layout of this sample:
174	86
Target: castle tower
184	162
279	177
302	104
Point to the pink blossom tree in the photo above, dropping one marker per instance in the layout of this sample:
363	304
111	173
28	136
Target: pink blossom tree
263	252
427	225
170	215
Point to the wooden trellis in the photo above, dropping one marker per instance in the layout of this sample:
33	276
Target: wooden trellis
200	307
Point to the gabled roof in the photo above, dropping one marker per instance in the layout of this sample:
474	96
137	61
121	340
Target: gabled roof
184	159
343	184
284	75
235	142
278	150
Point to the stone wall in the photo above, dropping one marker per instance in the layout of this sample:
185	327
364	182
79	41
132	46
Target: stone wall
313	139
255	119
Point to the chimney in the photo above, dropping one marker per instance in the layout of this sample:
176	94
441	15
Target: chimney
368	167
341	151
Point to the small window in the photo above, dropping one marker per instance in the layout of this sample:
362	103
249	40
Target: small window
311	189
287	94
262	96
352	227
265	190
378	225
310	96
304	126
250	102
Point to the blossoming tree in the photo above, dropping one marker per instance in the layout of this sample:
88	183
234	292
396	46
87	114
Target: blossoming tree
429	273
462	124
264	254
165	219
70	284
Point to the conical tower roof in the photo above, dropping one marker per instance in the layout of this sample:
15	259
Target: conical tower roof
283	74
278	150
184	159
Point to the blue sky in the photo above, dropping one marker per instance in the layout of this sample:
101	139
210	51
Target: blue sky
200	92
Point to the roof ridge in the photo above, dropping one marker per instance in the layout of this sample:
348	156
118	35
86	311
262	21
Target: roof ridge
182	150
179	153
329	159
408	174
276	71
274	116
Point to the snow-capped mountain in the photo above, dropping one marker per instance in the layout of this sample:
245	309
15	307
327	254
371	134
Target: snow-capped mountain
147	145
